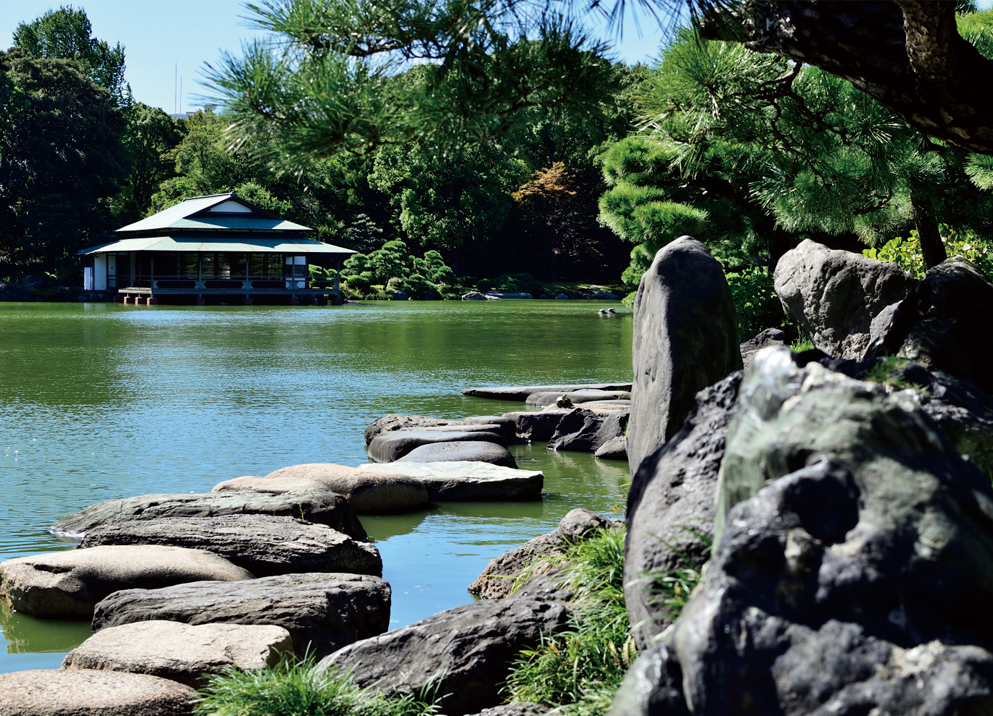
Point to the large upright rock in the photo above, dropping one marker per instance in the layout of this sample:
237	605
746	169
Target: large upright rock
946	323
465	652
834	295
854	568
670	510
685	338
320	506
67	585
263	545
322	612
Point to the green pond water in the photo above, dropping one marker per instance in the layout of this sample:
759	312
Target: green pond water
101	401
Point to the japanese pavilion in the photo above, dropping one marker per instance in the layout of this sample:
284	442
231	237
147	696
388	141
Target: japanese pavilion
219	247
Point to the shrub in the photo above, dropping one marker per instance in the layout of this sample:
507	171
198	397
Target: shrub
395	268
298	688
755	301
906	253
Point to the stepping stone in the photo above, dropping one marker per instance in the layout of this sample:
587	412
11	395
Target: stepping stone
577	397
322	612
393	421
522	392
263	545
67	585
537	425
462	452
181	652
507	427
65	692
366	494
319	506
470	481
389	447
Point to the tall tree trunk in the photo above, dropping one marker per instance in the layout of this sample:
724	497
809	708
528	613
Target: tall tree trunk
927	229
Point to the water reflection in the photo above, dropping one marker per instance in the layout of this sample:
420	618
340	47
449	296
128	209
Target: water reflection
26	634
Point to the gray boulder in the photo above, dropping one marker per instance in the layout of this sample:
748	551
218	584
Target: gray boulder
390	447
538	425
853	571
834	295
685	338
768	337
470	481
670	510
393	421
263	545
11	293
615	449
584	431
606	296
320	506
473	296
181	652
506	426
945	323
58	692
465	653
471	451
544	398
67	585
366	494
322	612
500	575
254	483
518	709
520	393
607	407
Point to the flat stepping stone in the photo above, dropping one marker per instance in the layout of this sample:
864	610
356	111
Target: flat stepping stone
366	494
320	506
522	392
322	612
576	397
470	451
68	584
605	407
263	545
393	421
537	425
389	447
470	481
65	692
507	427
181	652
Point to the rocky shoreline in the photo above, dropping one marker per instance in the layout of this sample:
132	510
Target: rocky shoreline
842	496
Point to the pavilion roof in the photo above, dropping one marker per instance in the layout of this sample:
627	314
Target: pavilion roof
218	212
214	243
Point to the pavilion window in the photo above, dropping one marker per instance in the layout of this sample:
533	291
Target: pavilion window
189	264
208	263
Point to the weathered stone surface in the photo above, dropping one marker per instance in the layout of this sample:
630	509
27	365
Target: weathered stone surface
470	481
322	612
181	652
68	584
10	292
616	449
768	337
670	511
685	338
473	296
471	451
853	570
263	545
584	431
497	580
539	425
607	407
946	323
254	483
518	709
390	447
577	396
507	426
366	494
520	393
319	506
393	421
834	295
468	649
57	692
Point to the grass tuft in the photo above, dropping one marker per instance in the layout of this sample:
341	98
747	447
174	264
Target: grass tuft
298	688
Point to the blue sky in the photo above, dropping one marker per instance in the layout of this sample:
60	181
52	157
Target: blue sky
162	37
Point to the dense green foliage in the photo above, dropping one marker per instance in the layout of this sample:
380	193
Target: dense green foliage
299	688
392	268
906	252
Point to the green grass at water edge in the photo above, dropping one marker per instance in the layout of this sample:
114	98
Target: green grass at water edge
296	687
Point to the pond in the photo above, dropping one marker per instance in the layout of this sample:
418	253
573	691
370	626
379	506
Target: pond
101	401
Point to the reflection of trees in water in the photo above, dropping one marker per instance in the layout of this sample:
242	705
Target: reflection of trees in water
26	634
